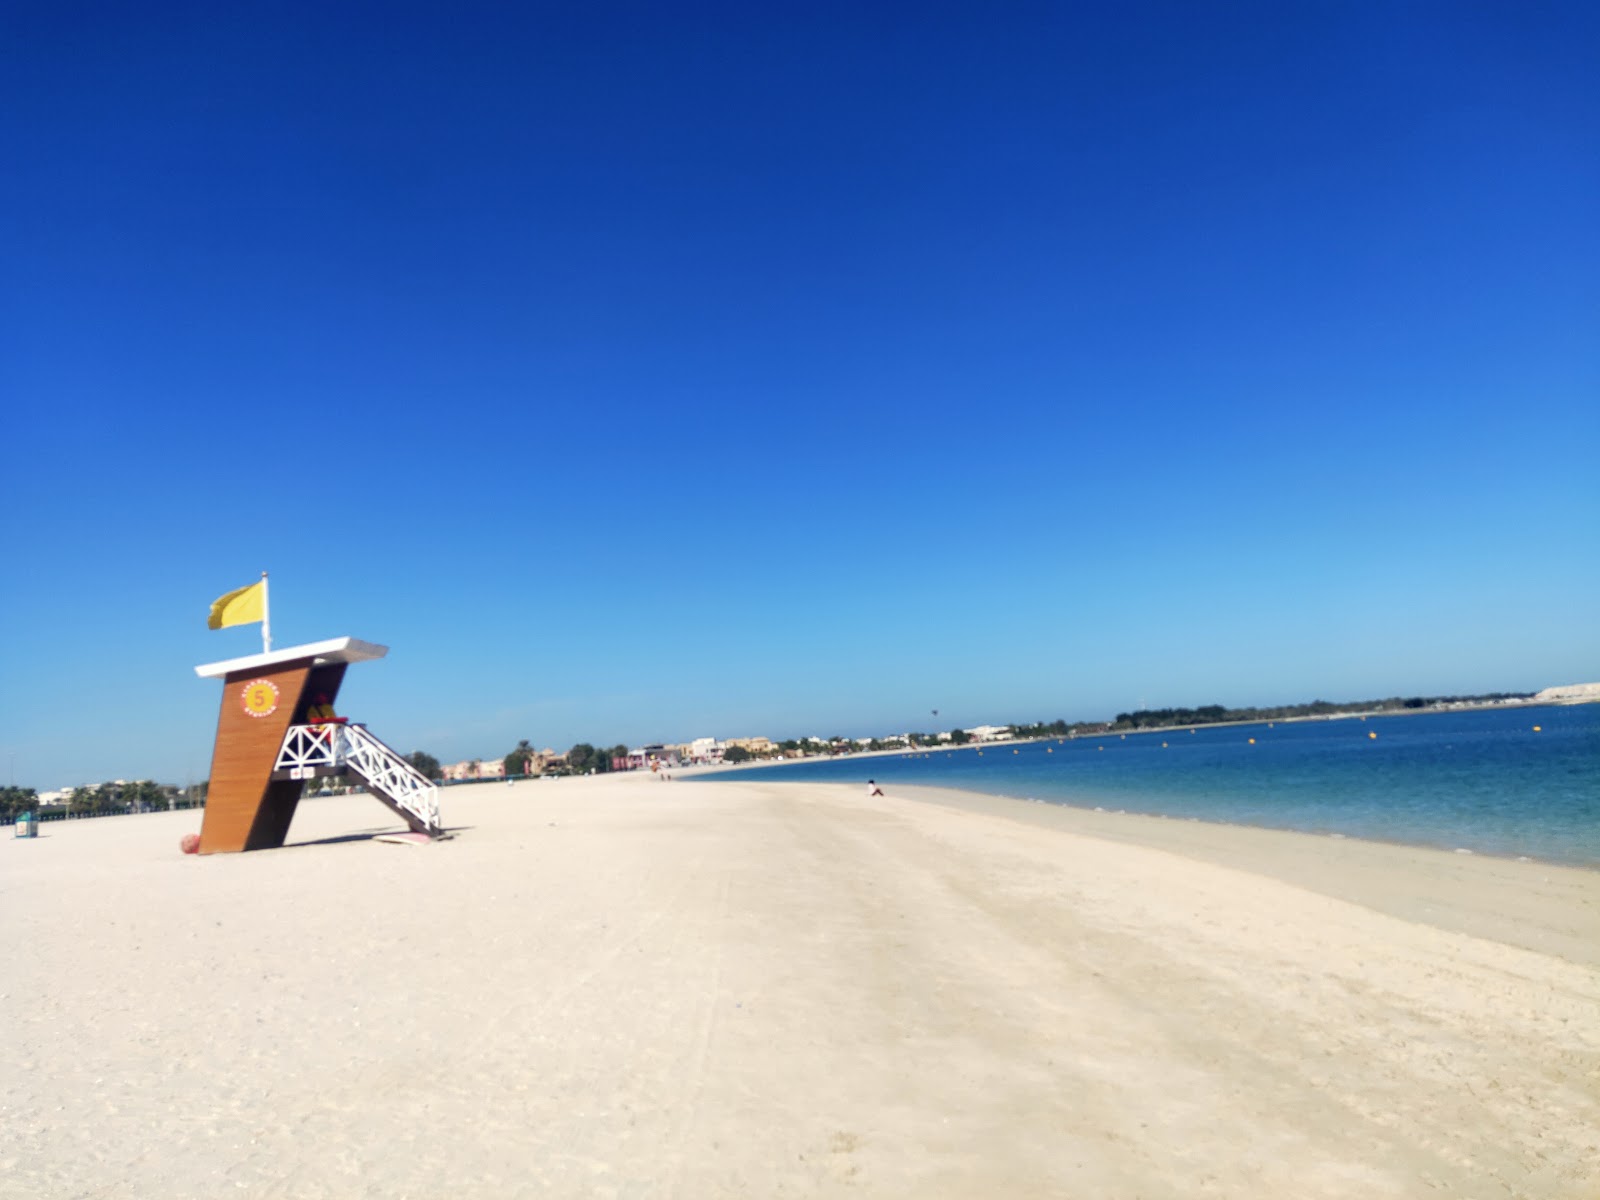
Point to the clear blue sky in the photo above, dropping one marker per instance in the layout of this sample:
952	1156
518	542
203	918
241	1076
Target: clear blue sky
642	373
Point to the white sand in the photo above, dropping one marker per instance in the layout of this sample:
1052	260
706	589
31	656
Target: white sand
619	987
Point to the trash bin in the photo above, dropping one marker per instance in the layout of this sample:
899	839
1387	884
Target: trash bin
27	825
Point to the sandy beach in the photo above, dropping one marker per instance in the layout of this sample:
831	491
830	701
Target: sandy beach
623	987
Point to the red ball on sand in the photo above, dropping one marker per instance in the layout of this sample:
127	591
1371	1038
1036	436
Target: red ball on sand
190	844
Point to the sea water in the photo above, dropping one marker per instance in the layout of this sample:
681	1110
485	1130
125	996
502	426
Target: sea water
1483	780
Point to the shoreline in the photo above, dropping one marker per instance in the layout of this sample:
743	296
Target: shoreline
1007	799
1431	847
1434	886
1085	799
950	748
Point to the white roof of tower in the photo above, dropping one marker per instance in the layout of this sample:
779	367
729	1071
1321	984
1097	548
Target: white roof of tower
334	650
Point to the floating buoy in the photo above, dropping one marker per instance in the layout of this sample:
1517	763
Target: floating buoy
1016	752
1372	735
1099	747
1052	749
1252	741
1538	729
1163	745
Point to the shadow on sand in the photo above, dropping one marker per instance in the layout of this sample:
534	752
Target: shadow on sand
369	835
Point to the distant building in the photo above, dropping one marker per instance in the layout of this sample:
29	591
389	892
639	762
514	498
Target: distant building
657	753
540	761
475	768
703	750
990	733
1569	693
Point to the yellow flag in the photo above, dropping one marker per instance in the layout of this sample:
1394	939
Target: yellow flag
239	607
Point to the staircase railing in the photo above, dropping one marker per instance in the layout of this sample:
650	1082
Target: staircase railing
310	750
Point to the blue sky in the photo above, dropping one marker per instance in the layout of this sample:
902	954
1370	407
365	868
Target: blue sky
642	374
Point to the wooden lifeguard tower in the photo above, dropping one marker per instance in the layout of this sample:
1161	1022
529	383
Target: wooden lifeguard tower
268	745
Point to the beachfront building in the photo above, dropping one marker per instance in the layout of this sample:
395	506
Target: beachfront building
1570	693
541	761
658	754
702	750
990	733
665	755
474	768
756	745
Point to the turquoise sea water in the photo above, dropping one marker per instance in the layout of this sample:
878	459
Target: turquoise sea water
1483	781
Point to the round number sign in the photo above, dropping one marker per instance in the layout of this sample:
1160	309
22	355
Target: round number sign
260	697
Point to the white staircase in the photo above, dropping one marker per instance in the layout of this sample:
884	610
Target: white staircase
309	751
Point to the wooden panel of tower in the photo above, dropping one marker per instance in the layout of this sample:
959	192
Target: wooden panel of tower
282	796
257	707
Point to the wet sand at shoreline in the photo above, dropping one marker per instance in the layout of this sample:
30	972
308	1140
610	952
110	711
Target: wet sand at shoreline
623	987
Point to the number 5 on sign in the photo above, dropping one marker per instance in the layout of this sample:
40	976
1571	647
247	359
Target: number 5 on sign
260	697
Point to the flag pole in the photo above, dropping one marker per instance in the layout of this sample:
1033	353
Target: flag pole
266	618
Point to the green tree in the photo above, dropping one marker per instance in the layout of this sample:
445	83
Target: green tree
145	795
736	754
516	763
194	795
97	801
426	763
583	758
15	800
960	737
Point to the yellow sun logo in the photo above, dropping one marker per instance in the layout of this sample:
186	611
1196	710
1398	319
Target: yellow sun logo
260	697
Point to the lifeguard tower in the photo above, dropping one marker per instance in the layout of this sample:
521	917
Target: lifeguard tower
268	745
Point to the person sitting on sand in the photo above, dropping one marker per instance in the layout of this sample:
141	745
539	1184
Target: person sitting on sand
873	789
